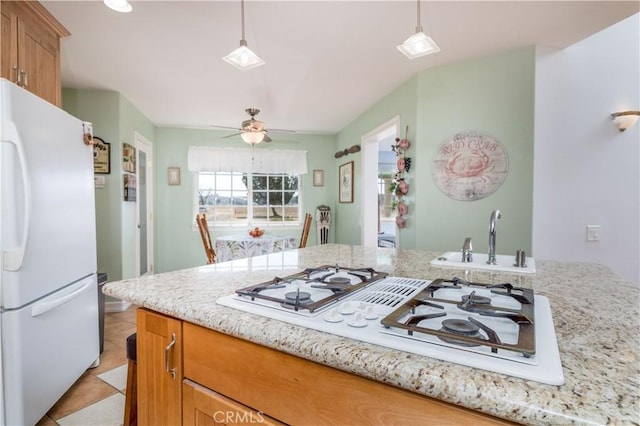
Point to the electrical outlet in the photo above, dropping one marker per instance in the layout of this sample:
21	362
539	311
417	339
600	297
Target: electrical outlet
593	232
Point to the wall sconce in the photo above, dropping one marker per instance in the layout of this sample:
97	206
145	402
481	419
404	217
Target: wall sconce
625	119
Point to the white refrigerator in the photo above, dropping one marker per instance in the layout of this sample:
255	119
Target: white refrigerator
48	286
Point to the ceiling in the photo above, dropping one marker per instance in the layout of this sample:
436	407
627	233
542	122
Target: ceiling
326	61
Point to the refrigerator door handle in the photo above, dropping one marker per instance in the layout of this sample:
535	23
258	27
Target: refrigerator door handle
44	307
12	259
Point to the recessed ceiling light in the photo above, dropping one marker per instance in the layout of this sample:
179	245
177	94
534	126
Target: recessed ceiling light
122	6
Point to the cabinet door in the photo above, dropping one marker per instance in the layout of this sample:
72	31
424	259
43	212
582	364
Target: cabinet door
204	407
8	42
159	363
38	58
31	48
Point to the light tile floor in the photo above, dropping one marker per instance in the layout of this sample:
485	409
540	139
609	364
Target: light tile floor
97	398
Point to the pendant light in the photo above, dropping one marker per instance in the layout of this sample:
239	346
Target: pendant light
242	57
419	44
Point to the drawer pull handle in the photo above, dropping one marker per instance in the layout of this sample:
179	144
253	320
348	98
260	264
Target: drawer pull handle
167	355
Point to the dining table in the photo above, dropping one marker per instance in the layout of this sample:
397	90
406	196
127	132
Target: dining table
230	247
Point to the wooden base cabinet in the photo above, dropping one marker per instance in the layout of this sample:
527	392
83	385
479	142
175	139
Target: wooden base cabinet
159	359
31	48
296	391
227	380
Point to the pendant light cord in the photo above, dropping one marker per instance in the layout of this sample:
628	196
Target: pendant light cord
418	25
243	41
242	16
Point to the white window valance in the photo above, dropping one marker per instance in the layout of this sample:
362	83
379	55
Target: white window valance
216	159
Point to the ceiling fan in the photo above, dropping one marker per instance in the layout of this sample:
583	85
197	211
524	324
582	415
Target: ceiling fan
252	131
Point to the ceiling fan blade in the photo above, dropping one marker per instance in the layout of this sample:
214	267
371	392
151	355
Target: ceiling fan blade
225	127
231	135
281	131
266	138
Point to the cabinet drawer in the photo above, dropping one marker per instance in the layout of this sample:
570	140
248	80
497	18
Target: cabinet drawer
202	406
297	391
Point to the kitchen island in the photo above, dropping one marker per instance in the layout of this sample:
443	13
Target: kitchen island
596	316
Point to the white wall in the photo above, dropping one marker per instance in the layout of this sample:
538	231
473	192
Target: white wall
585	171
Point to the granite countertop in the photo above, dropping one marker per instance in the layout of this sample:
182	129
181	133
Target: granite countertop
595	312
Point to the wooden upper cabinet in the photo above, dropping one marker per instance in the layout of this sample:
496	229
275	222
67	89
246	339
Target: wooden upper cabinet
31	48
9	54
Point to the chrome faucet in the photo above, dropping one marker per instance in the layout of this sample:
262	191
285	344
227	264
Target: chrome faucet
467	251
495	215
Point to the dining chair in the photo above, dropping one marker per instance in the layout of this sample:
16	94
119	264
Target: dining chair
305	231
201	219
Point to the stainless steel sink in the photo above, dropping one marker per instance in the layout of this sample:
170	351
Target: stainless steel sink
505	263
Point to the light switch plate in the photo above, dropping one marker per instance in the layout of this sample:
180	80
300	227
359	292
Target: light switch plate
593	232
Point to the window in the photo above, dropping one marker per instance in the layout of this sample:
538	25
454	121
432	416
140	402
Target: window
234	198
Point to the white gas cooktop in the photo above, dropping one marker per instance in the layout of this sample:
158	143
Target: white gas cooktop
358	316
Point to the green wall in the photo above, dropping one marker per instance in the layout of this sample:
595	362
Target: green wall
131	121
114	120
401	102
177	240
494	95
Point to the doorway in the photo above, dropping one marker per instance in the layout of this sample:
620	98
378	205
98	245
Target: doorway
378	219
144	206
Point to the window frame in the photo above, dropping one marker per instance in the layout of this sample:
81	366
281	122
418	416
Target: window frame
250	220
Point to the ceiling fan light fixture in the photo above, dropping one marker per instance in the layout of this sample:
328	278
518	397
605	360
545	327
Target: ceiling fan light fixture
252	137
417	45
243	58
122	6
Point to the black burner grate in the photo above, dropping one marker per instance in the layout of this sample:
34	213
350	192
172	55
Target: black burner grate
321	278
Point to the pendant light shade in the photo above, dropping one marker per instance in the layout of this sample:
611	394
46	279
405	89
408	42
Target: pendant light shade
418	44
242	57
252	137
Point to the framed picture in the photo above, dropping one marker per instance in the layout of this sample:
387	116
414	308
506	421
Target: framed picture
345	182
101	156
129	187
318	178
173	175
128	158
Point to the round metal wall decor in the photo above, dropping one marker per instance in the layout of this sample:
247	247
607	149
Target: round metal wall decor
470	166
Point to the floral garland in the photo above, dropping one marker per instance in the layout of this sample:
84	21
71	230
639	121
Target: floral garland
399	187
